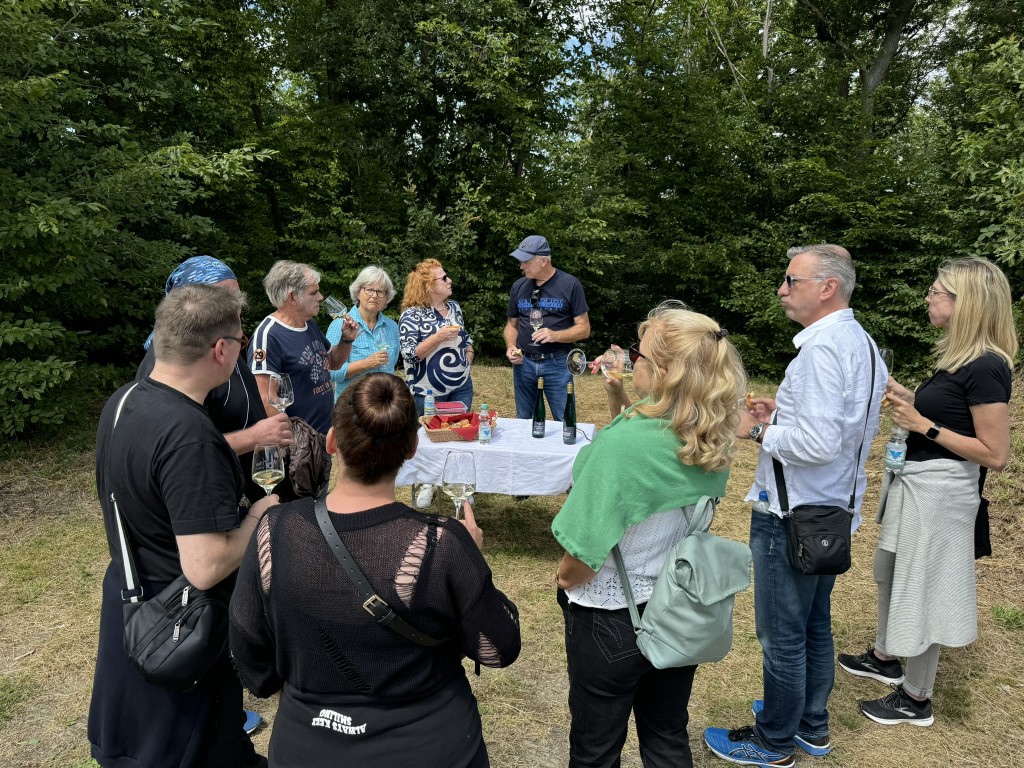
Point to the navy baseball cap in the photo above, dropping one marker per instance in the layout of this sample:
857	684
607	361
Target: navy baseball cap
534	245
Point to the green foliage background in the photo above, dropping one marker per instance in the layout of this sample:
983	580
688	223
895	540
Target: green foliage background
666	149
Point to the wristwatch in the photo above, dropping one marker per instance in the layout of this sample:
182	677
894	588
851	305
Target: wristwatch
756	432
933	432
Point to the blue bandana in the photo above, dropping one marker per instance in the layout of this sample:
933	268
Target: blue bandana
204	270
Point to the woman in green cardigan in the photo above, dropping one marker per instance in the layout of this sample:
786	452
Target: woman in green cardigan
636	486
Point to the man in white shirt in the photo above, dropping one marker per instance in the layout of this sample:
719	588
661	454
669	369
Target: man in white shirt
815	428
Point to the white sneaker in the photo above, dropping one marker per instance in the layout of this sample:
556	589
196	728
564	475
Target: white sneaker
423	496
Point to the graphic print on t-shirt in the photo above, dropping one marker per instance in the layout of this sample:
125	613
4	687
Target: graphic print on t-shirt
314	360
544	302
335	721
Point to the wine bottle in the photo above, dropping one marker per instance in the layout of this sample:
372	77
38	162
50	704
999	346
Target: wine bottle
539	412
569	421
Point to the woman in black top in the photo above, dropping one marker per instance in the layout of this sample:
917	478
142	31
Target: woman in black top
958	420
355	692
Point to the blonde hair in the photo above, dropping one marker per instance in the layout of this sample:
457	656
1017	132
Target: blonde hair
982	319
418	284
697	380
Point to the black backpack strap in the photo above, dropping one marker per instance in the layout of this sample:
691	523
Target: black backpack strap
372	603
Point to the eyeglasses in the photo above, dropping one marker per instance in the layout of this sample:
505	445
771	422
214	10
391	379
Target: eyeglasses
791	279
242	340
378	292
635	354
535	296
444	277
933	292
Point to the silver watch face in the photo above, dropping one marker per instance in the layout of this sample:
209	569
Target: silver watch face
756	430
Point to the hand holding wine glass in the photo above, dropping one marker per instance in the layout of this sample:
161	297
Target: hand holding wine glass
281	393
267	466
458	478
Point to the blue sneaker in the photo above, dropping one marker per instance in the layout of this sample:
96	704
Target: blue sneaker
812	745
252	721
743	747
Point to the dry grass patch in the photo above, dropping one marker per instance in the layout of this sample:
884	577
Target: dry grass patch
53	556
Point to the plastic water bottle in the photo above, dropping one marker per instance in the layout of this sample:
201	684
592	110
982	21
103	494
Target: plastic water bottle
428	404
761	505
896	450
485	425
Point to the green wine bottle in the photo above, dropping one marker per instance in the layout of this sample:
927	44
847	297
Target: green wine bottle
539	412
569	421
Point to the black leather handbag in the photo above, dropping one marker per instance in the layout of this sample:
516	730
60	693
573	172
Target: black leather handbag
818	535
175	637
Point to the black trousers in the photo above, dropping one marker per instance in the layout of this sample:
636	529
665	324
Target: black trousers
608	679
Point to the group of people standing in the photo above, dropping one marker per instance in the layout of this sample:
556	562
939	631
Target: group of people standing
380	681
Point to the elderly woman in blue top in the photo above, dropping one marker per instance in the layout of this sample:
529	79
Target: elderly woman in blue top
636	486
376	348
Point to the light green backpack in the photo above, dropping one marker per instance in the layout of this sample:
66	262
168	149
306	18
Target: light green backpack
688	619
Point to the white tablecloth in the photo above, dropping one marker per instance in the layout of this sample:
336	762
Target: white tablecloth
514	463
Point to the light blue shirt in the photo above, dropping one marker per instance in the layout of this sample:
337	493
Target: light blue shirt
367	343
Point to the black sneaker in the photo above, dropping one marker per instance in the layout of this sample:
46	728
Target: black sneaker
898	708
869	665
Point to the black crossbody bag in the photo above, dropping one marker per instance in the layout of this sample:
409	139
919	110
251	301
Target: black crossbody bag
818	535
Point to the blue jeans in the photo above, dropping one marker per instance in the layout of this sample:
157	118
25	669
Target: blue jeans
463	394
608	678
556	378
793	616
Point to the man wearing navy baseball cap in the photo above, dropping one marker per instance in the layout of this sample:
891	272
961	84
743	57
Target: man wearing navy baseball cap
563	321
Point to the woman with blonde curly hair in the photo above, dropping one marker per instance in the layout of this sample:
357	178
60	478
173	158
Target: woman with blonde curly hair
958	419
678	440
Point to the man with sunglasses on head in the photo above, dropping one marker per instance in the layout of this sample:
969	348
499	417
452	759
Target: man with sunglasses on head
819	428
542	352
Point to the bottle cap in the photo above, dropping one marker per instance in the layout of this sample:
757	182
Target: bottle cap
483	407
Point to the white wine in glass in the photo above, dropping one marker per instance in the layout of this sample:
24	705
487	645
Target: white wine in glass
281	392
334	308
615	364
536	319
458	479
267	467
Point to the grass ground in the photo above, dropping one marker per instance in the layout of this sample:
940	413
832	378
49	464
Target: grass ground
53	555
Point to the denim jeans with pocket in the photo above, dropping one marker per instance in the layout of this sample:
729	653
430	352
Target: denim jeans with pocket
793	616
608	679
556	378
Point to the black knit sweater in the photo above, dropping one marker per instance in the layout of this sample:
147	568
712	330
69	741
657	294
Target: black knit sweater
296	617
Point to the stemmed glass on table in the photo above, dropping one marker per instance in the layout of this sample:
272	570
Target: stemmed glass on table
267	467
281	392
458	479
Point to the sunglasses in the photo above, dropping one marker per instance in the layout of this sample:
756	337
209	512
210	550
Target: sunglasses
444	277
635	354
791	280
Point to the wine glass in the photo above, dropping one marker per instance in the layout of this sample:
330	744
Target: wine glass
267	467
615	364
536	319
334	308
886	354
281	392
459	478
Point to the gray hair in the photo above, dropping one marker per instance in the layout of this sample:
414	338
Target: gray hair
285	277
833	261
190	319
371	277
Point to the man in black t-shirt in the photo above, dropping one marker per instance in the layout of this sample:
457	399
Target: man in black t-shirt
177	485
559	298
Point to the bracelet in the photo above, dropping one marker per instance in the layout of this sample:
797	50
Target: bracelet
346	341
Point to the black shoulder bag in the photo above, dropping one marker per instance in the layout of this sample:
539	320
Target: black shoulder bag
175	637
373	604
818	535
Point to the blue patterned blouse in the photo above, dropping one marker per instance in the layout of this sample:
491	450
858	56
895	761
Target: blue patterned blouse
448	367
